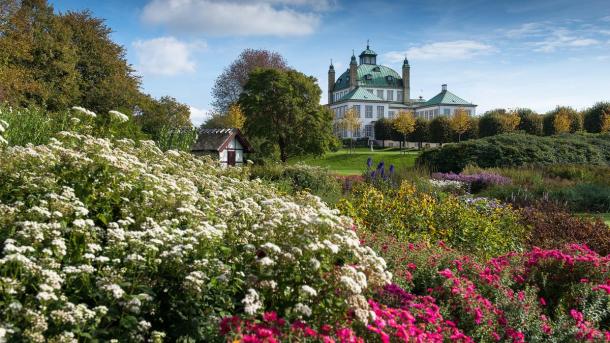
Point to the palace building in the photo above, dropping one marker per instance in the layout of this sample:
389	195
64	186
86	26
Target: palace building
376	91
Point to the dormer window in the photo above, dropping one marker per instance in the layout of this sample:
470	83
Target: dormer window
376	69
368	77
390	78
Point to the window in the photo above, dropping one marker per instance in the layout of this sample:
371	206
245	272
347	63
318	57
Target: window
368	131
447	111
370	90
390	95
380	93
390	78
368	76
368	111
357	109
469	112
357	132
376	69
380	111
436	112
399	96
390	114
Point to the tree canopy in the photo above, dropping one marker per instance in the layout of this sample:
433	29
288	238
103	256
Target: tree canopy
282	107
230	83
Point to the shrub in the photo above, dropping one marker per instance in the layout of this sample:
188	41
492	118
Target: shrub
298	177
118	240
519	149
559	295
476	182
530	122
553	228
413	215
562	120
597	118
440	130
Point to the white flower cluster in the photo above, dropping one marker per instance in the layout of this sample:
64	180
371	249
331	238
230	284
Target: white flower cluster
447	184
123	225
3	127
118	116
84	111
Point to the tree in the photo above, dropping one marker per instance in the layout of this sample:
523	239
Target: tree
530	122
498	121
235	117
37	57
282	107
440	130
421	133
163	114
597	118
105	80
404	123
230	83
460	122
561	120
350	122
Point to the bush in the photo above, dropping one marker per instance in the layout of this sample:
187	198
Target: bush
519	149
559	295
476	182
552	125
553	228
118	240
37	126
298	177
480	227
597	118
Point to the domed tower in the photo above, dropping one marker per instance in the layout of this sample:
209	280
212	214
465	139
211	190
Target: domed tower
406	81
368	56
353	72
331	82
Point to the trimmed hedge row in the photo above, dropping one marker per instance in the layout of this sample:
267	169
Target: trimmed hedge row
516	149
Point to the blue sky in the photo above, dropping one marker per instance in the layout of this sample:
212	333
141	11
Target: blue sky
535	54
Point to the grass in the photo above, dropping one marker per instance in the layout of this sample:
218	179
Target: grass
344	163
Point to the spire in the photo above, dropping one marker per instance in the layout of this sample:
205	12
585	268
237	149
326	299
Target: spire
353	60
332	67
367	44
406	61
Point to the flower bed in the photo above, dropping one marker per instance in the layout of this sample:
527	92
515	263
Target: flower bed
118	240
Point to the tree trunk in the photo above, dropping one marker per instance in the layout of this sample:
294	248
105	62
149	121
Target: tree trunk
404	151
283	156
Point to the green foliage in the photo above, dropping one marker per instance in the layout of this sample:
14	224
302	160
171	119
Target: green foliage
597	118
36	126
176	139
550	120
283	108
299	177
497	121
164	114
411	215
421	132
530	122
520	149
440	130
117	240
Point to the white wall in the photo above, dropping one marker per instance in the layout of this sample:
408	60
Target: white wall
239	153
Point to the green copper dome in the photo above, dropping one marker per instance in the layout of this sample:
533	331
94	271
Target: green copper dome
371	75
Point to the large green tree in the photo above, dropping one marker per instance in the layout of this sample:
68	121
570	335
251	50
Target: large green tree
440	130
597	118
283	108
163	114
106	81
530	121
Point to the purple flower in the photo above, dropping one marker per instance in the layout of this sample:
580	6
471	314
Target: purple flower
391	169
369	162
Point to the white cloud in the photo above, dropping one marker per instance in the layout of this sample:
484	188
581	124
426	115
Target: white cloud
198	116
237	17
562	38
165	56
527	29
452	50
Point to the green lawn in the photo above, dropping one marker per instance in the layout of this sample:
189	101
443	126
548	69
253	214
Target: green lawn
344	163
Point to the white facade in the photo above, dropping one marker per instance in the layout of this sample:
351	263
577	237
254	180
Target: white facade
431	112
234	147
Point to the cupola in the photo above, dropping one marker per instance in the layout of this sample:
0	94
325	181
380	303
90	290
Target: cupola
368	56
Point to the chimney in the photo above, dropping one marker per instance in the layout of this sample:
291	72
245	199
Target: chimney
444	87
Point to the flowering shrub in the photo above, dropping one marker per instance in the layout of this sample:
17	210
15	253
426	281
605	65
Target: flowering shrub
534	296
476	182
411	215
119	240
